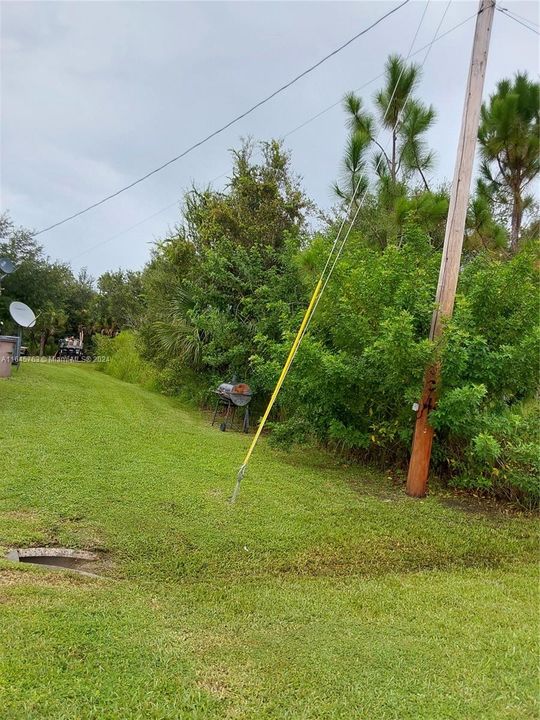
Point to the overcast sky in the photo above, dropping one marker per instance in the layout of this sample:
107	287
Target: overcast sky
95	94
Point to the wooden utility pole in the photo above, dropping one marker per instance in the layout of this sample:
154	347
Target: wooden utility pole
453	241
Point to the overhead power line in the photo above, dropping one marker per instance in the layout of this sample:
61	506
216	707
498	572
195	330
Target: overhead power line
377	77
521	17
122	232
285	135
228	124
135	225
513	17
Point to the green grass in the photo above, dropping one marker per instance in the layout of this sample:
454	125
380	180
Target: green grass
324	593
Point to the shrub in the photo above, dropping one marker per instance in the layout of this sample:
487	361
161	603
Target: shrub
123	359
226	292
503	458
176	379
361	367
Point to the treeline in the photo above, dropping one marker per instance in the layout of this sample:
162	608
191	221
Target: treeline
65	303
224	293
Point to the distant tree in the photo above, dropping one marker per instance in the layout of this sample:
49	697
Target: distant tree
51	321
119	303
17	244
80	304
61	301
509	148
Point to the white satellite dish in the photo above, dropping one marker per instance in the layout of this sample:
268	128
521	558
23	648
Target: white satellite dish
22	314
6	266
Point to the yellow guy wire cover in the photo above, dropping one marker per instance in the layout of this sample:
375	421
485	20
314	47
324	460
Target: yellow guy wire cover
279	383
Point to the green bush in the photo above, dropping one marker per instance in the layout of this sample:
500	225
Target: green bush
176	379
120	357
361	367
485	448
503	457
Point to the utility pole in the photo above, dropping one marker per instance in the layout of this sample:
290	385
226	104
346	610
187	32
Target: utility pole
453	241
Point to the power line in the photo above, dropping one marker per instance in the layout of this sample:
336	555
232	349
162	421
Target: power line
374	79
228	124
285	135
122	232
506	12
132	227
362	199
521	17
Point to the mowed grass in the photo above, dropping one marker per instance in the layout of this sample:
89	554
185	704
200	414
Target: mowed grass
324	593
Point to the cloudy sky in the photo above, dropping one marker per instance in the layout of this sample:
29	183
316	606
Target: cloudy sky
95	94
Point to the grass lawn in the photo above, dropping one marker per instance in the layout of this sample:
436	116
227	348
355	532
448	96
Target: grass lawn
324	593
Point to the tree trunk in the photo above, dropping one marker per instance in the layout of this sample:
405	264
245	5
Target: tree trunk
42	341
517	216
393	168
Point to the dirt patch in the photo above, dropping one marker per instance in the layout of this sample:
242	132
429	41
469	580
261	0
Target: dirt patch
215	683
480	506
20	514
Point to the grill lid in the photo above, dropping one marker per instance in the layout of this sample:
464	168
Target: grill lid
239	394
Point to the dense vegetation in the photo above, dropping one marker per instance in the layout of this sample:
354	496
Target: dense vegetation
224	293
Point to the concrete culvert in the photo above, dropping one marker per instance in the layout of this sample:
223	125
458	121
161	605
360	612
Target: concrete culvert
81	561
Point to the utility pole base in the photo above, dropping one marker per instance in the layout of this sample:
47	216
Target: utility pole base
417	478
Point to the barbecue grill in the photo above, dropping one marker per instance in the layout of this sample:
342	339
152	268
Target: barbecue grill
231	396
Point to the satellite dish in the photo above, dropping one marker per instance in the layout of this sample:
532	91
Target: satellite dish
22	314
6	266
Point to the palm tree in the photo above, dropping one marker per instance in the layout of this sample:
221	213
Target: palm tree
509	146
177	333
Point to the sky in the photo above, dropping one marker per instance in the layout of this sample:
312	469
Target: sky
96	94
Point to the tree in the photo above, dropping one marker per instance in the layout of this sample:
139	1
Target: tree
17	244
226	275
61	301
50	321
119	303
483	231
509	148
80	303
353	181
404	117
